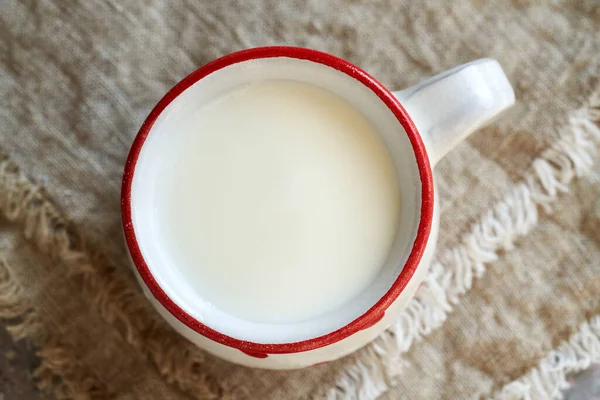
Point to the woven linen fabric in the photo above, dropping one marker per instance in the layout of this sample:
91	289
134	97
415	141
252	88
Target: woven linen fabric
517	271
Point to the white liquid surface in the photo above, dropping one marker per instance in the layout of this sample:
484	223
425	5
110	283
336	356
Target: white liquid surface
277	202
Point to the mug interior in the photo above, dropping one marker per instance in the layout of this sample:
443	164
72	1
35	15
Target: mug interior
155	265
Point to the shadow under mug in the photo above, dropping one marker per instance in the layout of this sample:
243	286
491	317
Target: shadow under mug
445	109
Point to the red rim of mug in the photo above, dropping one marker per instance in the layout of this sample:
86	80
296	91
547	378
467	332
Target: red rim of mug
377	311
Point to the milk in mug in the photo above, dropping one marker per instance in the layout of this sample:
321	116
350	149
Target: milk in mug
277	202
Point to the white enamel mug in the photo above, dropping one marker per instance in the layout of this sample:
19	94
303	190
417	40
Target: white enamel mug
419	125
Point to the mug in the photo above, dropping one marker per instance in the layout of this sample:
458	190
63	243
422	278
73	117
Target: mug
419	125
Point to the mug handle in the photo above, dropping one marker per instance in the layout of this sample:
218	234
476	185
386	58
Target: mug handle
450	106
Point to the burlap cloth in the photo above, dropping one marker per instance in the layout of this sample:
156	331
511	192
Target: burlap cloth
518	268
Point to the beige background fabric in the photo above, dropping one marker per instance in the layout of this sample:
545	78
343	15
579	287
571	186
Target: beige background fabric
77	79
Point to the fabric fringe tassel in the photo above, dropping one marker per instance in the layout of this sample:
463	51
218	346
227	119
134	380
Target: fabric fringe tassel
549	379
59	371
